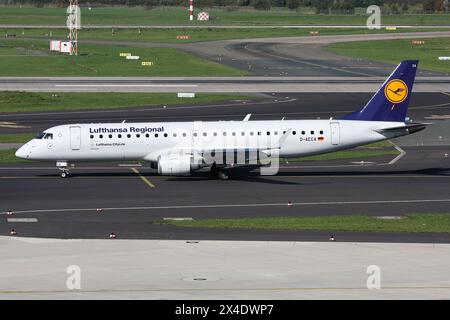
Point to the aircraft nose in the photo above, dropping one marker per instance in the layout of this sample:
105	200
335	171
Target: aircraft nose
22	152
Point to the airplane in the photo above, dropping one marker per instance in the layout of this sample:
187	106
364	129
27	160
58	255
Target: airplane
180	148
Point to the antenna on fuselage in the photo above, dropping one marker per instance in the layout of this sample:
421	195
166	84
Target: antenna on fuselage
124	121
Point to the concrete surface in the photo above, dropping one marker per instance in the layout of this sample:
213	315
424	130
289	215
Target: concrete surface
127	269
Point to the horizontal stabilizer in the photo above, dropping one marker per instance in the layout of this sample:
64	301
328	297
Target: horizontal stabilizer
406	129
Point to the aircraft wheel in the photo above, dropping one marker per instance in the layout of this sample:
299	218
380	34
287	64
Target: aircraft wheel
64	174
223	175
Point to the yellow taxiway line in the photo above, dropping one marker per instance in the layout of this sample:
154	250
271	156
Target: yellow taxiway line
146	181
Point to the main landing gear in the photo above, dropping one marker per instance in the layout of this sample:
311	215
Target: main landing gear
221	173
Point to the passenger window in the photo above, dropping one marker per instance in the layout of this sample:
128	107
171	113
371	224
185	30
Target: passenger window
224	133
268	133
138	135
119	136
100	136
275	133
204	134
294	133
165	135
303	132
234	134
147	135
128	135
312	132
242	133
92	136
259	133
184	134
174	135
110	136
321	131
251	133
156	135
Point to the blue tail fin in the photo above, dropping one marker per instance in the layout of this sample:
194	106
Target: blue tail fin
391	101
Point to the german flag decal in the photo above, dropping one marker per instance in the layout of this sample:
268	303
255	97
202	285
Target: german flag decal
320	138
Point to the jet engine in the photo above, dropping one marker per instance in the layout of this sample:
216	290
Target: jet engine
171	165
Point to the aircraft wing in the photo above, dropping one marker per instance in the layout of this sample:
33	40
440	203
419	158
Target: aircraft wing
239	156
263	155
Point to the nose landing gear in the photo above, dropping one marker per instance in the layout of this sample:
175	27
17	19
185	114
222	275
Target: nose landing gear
62	166
64	173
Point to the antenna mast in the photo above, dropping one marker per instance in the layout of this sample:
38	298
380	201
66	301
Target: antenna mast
74	23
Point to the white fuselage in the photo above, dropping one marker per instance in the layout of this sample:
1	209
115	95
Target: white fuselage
150	141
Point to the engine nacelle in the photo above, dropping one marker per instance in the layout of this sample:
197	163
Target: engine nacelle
171	165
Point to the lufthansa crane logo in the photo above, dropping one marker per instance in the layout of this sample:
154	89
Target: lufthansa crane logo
396	91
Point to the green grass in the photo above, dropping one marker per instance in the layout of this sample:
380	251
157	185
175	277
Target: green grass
357	154
7	156
14	101
16	137
33	58
393	51
178	16
411	223
377	149
203	34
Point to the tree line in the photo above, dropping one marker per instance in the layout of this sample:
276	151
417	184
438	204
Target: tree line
320	6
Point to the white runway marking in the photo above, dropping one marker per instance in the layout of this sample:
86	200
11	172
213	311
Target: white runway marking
130	85
22	220
238	205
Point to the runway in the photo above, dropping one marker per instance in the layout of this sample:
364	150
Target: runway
212	85
67	208
266	107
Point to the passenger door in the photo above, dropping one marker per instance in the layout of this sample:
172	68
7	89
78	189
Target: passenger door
335	133
75	138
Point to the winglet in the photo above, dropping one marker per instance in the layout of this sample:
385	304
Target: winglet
247	117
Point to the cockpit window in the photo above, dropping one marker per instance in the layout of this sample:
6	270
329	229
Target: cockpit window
45	135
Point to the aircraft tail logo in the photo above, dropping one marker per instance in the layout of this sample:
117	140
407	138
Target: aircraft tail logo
391	101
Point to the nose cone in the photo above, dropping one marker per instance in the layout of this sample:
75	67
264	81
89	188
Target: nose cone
22	152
